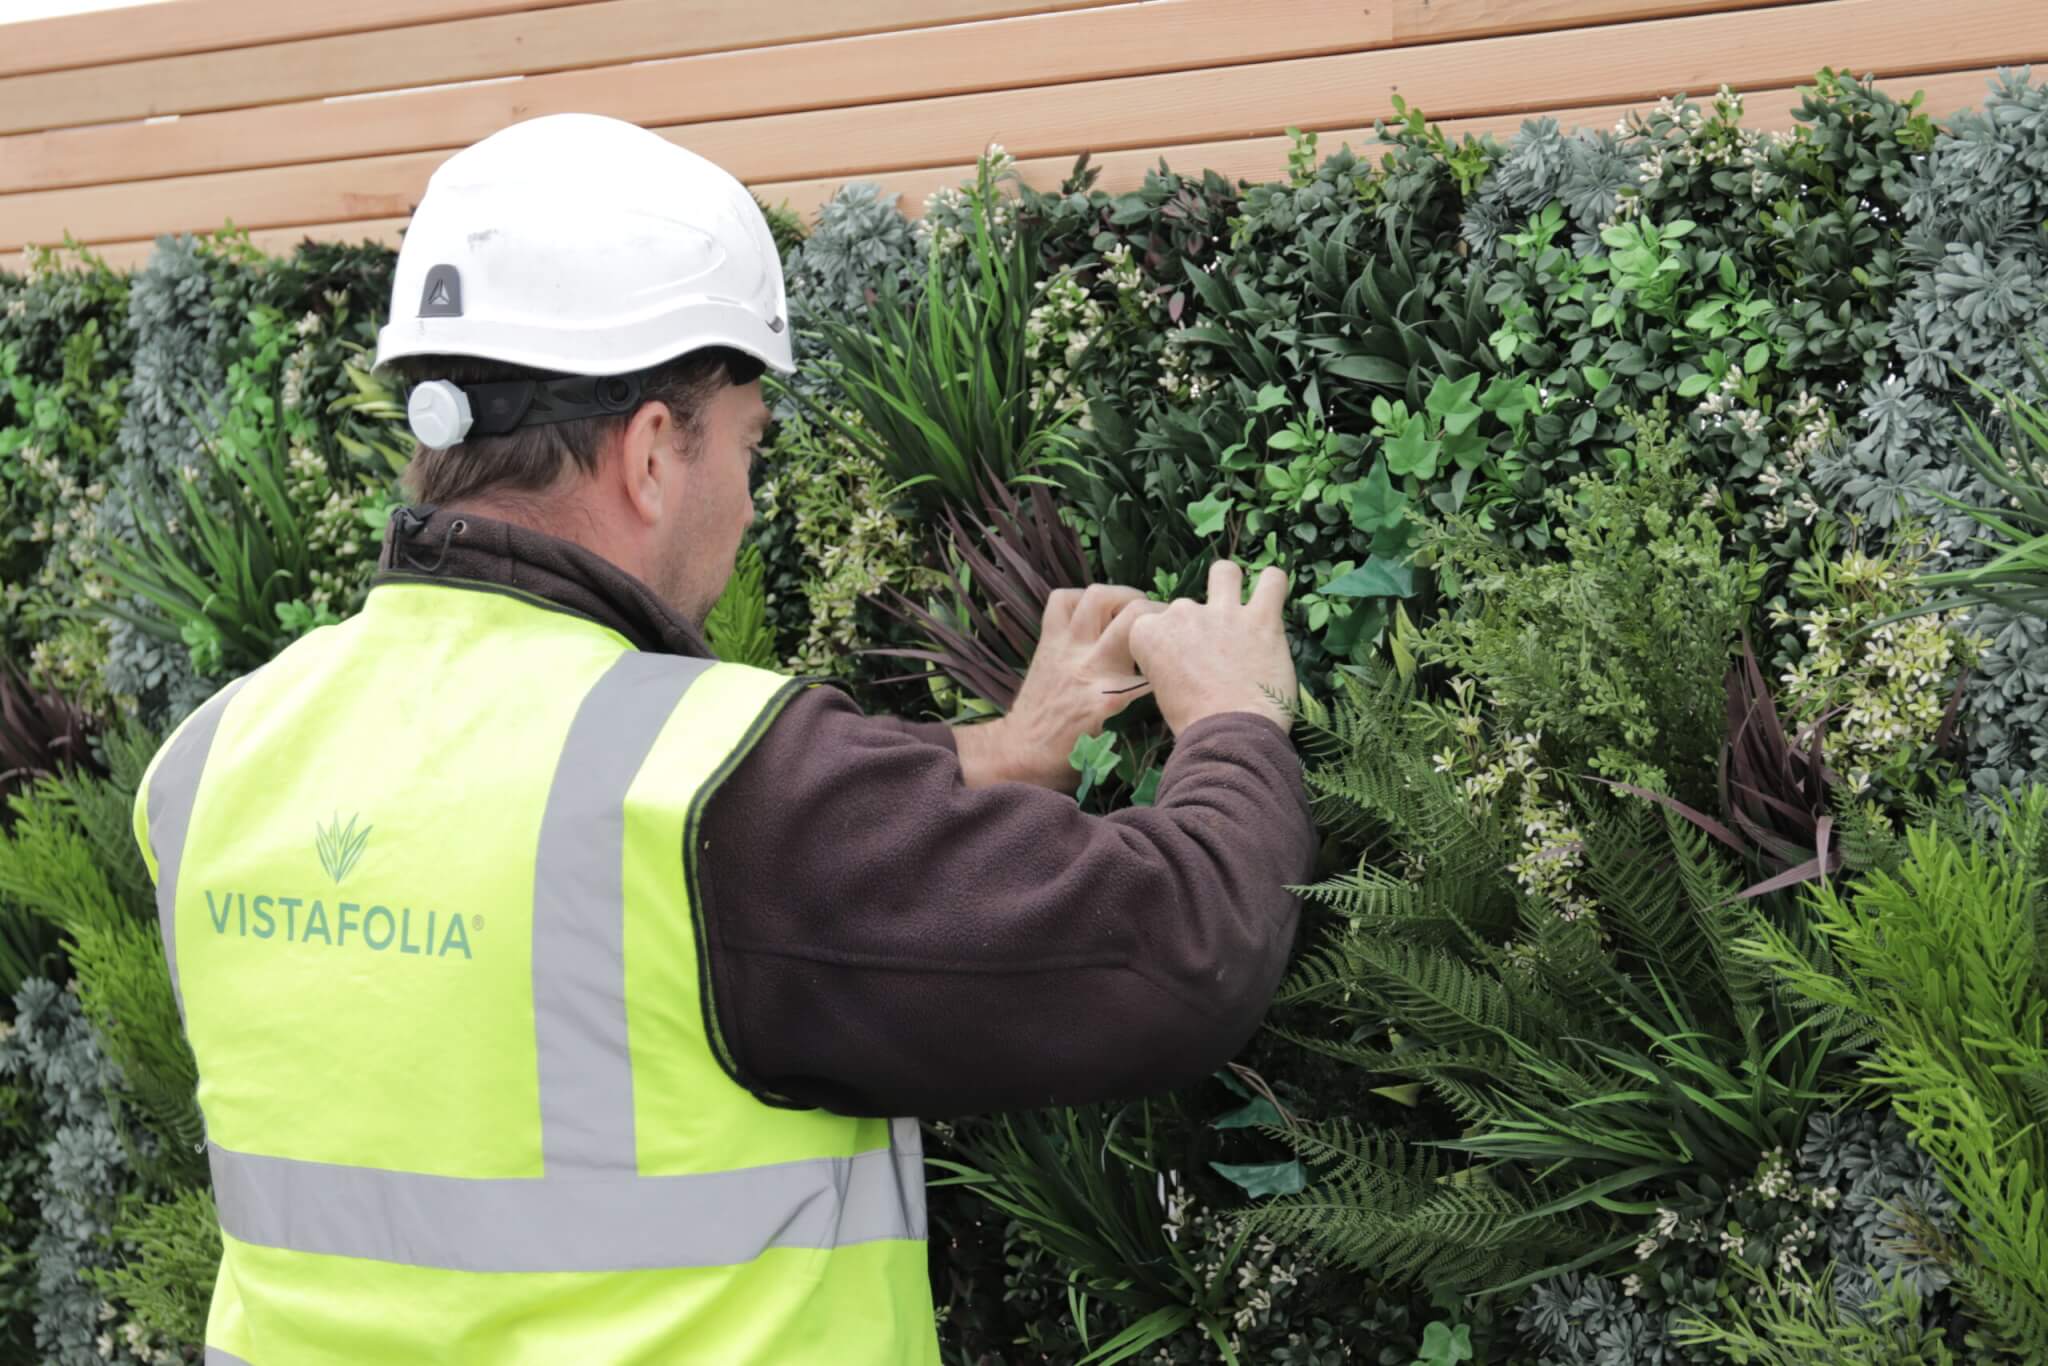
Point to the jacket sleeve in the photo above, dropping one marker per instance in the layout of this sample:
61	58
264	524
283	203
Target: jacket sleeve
883	940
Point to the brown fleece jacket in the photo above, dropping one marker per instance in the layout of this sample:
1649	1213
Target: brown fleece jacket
884	940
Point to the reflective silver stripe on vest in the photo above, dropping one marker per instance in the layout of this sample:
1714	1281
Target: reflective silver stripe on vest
591	1210
624	1223
216	1357
172	790
579	916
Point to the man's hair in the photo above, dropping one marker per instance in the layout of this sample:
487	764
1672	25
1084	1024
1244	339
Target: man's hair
529	459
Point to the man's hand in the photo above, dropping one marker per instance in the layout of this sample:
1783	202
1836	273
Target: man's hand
1220	656
1080	676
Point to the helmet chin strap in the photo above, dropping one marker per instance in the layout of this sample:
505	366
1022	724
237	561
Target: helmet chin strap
442	413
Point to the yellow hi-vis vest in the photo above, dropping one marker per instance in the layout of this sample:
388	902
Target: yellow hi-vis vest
427	884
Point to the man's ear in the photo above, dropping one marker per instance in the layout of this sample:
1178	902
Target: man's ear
646	460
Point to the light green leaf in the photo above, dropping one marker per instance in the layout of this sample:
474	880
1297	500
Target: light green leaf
1756	359
1693	385
1376	505
1370	369
1412	452
1264	1178
1451	400
1376	578
1677	229
1289	440
1257	1111
1443	1345
1207	515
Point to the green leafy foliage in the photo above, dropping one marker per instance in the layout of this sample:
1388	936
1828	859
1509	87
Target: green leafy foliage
171	1258
738	629
941	382
1562	981
1613	655
1944	959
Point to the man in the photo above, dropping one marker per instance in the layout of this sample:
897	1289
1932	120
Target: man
548	980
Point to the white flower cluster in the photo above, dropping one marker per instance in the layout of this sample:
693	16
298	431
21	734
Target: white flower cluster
1060	328
1806	426
135	1339
855	546
1552	852
334	527
1773	1182
1178	376
1885	687
1262	1279
1690	140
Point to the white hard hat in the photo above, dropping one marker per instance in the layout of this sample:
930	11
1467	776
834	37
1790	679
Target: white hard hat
584	245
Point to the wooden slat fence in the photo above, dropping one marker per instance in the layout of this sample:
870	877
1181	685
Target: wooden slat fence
299	119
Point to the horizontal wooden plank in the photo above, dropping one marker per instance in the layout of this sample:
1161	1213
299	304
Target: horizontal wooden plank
169	30
1756	50
1164	35
600	33
1418	21
1241	159
1094	44
1265	158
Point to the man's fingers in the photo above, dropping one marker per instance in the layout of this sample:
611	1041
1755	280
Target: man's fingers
1270	594
1098	605
1226	583
1114	649
1059	612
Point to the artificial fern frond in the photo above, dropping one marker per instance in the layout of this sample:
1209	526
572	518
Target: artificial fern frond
1388	1209
737	628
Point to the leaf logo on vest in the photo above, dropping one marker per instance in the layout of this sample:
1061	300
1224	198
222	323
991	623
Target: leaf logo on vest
361	924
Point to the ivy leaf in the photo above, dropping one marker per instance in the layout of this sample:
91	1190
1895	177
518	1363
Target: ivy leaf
1443	1345
1264	1178
1376	505
1249	1116
1412	452
1094	757
1451	400
1271	396
1208	514
1376	578
1467	450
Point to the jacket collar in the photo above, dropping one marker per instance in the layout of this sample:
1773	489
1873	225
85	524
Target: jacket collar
461	547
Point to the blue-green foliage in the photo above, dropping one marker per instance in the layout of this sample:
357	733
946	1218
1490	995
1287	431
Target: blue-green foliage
1973	306
51	1053
183	311
860	241
1872	1202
